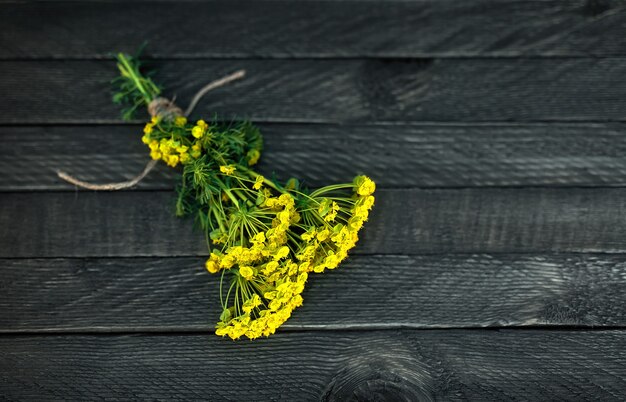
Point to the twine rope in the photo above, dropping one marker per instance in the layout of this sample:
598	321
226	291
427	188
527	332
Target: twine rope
166	109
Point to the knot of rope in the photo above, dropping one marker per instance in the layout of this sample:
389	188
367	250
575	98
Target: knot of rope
164	108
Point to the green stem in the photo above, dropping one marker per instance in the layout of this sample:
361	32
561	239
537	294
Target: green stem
331	188
128	70
227	191
218	219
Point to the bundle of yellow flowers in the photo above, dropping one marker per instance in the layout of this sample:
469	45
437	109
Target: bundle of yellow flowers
264	236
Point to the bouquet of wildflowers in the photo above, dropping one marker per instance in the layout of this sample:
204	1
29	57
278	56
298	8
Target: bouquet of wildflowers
265	237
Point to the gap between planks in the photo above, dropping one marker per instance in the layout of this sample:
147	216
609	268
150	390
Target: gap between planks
286	329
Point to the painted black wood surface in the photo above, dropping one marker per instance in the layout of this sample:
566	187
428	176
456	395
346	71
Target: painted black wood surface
493	266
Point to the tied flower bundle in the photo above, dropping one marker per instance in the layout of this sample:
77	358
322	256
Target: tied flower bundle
265	237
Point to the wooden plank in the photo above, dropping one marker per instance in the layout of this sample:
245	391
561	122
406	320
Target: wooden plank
403	222
359	91
435	291
319	29
398	156
334	366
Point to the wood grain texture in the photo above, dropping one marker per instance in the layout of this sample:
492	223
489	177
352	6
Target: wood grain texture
315	29
393	90
367	292
398	156
104	294
392	365
403	222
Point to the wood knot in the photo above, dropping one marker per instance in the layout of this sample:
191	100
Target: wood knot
391	86
379	381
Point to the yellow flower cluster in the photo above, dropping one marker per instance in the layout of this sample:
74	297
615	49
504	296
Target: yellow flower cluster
174	149
272	272
263	269
228	169
325	247
199	129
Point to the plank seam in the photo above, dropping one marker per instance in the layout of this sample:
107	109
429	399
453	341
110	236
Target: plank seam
381	255
327	57
564	187
139	124
193	331
335	122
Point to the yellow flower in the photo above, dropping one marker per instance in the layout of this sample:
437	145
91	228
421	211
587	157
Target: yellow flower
304	267
259	238
334	208
309	234
155	154
227	262
196	151
274	306
270	267
284	216
180	121
361	212
286	200
323	207
246	272
258	182
306	254
303	277
365	186
271	202
323	235
172	160
252	303
331	261
367	202
296	301
148	128
202	124
256	300
229	170
197	132
281	253
164	146
212	266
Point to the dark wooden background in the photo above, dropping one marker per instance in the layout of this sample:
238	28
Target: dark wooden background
493	267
